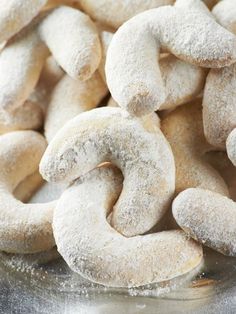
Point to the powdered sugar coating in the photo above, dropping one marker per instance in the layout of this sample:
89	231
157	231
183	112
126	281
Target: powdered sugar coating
139	149
187	30
81	54
183	128
219	105
231	146
29	116
183	81
27	188
152	118
21	62
106	38
25	262
22	59
15	14
91	247
115	13
219	102
69	98
24	228
49	77
225	14
208	217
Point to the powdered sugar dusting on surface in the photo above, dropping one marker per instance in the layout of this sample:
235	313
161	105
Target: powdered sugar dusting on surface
23	57
140	151
91	247
48	192
24	228
208	217
183	128
106	38
15	14
220	89
21	62
219	105
28	116
71	97
231	147
183	81
115	13
191	34
82	55
225	14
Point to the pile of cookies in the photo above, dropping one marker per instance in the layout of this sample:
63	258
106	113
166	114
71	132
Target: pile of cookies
130	160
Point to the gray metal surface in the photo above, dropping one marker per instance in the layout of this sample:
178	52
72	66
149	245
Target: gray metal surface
55	289
17	297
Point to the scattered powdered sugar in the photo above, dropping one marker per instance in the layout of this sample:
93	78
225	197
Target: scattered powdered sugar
144	258
28	263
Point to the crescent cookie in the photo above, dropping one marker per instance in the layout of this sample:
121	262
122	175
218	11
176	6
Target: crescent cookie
91	247
208	217
138	148
132	71
24	228
23	57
